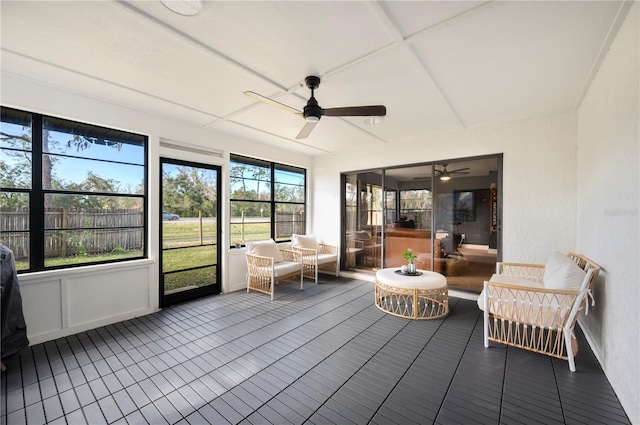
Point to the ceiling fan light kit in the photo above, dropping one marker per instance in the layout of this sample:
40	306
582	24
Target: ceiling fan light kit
445	174
372	120
312	112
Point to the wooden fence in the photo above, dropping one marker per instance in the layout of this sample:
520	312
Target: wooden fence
70	233
288	224
98	231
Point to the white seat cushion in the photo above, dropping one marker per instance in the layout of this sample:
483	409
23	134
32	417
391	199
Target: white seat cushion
327	258
286	267
304	241
508	280
266	248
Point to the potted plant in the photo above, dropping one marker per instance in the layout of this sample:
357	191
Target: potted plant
410	256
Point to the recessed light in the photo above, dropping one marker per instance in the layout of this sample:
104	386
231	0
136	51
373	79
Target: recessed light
184	7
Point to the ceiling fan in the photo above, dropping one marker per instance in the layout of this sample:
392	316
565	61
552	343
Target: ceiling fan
312	112
446	174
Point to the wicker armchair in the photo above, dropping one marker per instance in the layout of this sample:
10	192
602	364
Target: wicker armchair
315	255
265	271
522	309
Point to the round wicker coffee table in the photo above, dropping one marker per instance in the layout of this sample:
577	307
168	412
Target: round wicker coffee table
425	296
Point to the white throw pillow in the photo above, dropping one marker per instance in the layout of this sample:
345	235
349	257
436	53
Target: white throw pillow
266	248
562	273
305	241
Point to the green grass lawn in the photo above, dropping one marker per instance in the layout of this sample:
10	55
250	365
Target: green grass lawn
188	257
195	278
252	232
177	234
64	261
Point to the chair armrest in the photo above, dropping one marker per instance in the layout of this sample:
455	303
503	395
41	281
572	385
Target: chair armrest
522	270
507	287
308	255
291	255
328	249
258	261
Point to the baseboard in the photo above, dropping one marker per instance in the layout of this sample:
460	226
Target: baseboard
595	348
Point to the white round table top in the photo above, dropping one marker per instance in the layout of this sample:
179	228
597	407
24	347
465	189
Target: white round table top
427	280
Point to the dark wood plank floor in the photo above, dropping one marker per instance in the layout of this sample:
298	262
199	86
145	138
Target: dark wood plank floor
325	355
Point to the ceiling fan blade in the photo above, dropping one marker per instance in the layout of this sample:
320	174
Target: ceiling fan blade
459	170
306	130
272	102
356	111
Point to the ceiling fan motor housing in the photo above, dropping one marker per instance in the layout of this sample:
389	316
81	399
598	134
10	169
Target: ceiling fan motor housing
312	109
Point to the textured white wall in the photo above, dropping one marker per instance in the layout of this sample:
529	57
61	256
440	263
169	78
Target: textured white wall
608	217
539	205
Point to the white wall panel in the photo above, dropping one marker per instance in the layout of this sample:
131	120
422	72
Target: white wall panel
237	271
42	306
64	302
93	297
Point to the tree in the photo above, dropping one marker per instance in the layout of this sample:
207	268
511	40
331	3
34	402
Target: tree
258	173
92	183
190	191
19	138
236	175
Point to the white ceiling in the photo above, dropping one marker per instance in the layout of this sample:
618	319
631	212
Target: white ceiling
437	65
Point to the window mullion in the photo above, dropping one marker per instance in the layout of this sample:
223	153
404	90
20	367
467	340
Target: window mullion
36	198
273	201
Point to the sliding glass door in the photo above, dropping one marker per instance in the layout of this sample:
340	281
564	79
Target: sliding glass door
190	231
364	218
448	213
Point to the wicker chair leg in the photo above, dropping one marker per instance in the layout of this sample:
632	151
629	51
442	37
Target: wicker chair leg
273	285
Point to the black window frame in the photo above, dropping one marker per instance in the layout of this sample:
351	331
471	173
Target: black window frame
37	192
273	166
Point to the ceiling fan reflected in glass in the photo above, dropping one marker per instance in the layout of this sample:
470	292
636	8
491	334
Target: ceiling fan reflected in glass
312	112
445	174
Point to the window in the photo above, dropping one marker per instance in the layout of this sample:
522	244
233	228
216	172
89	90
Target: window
416	204
267	200
71	193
